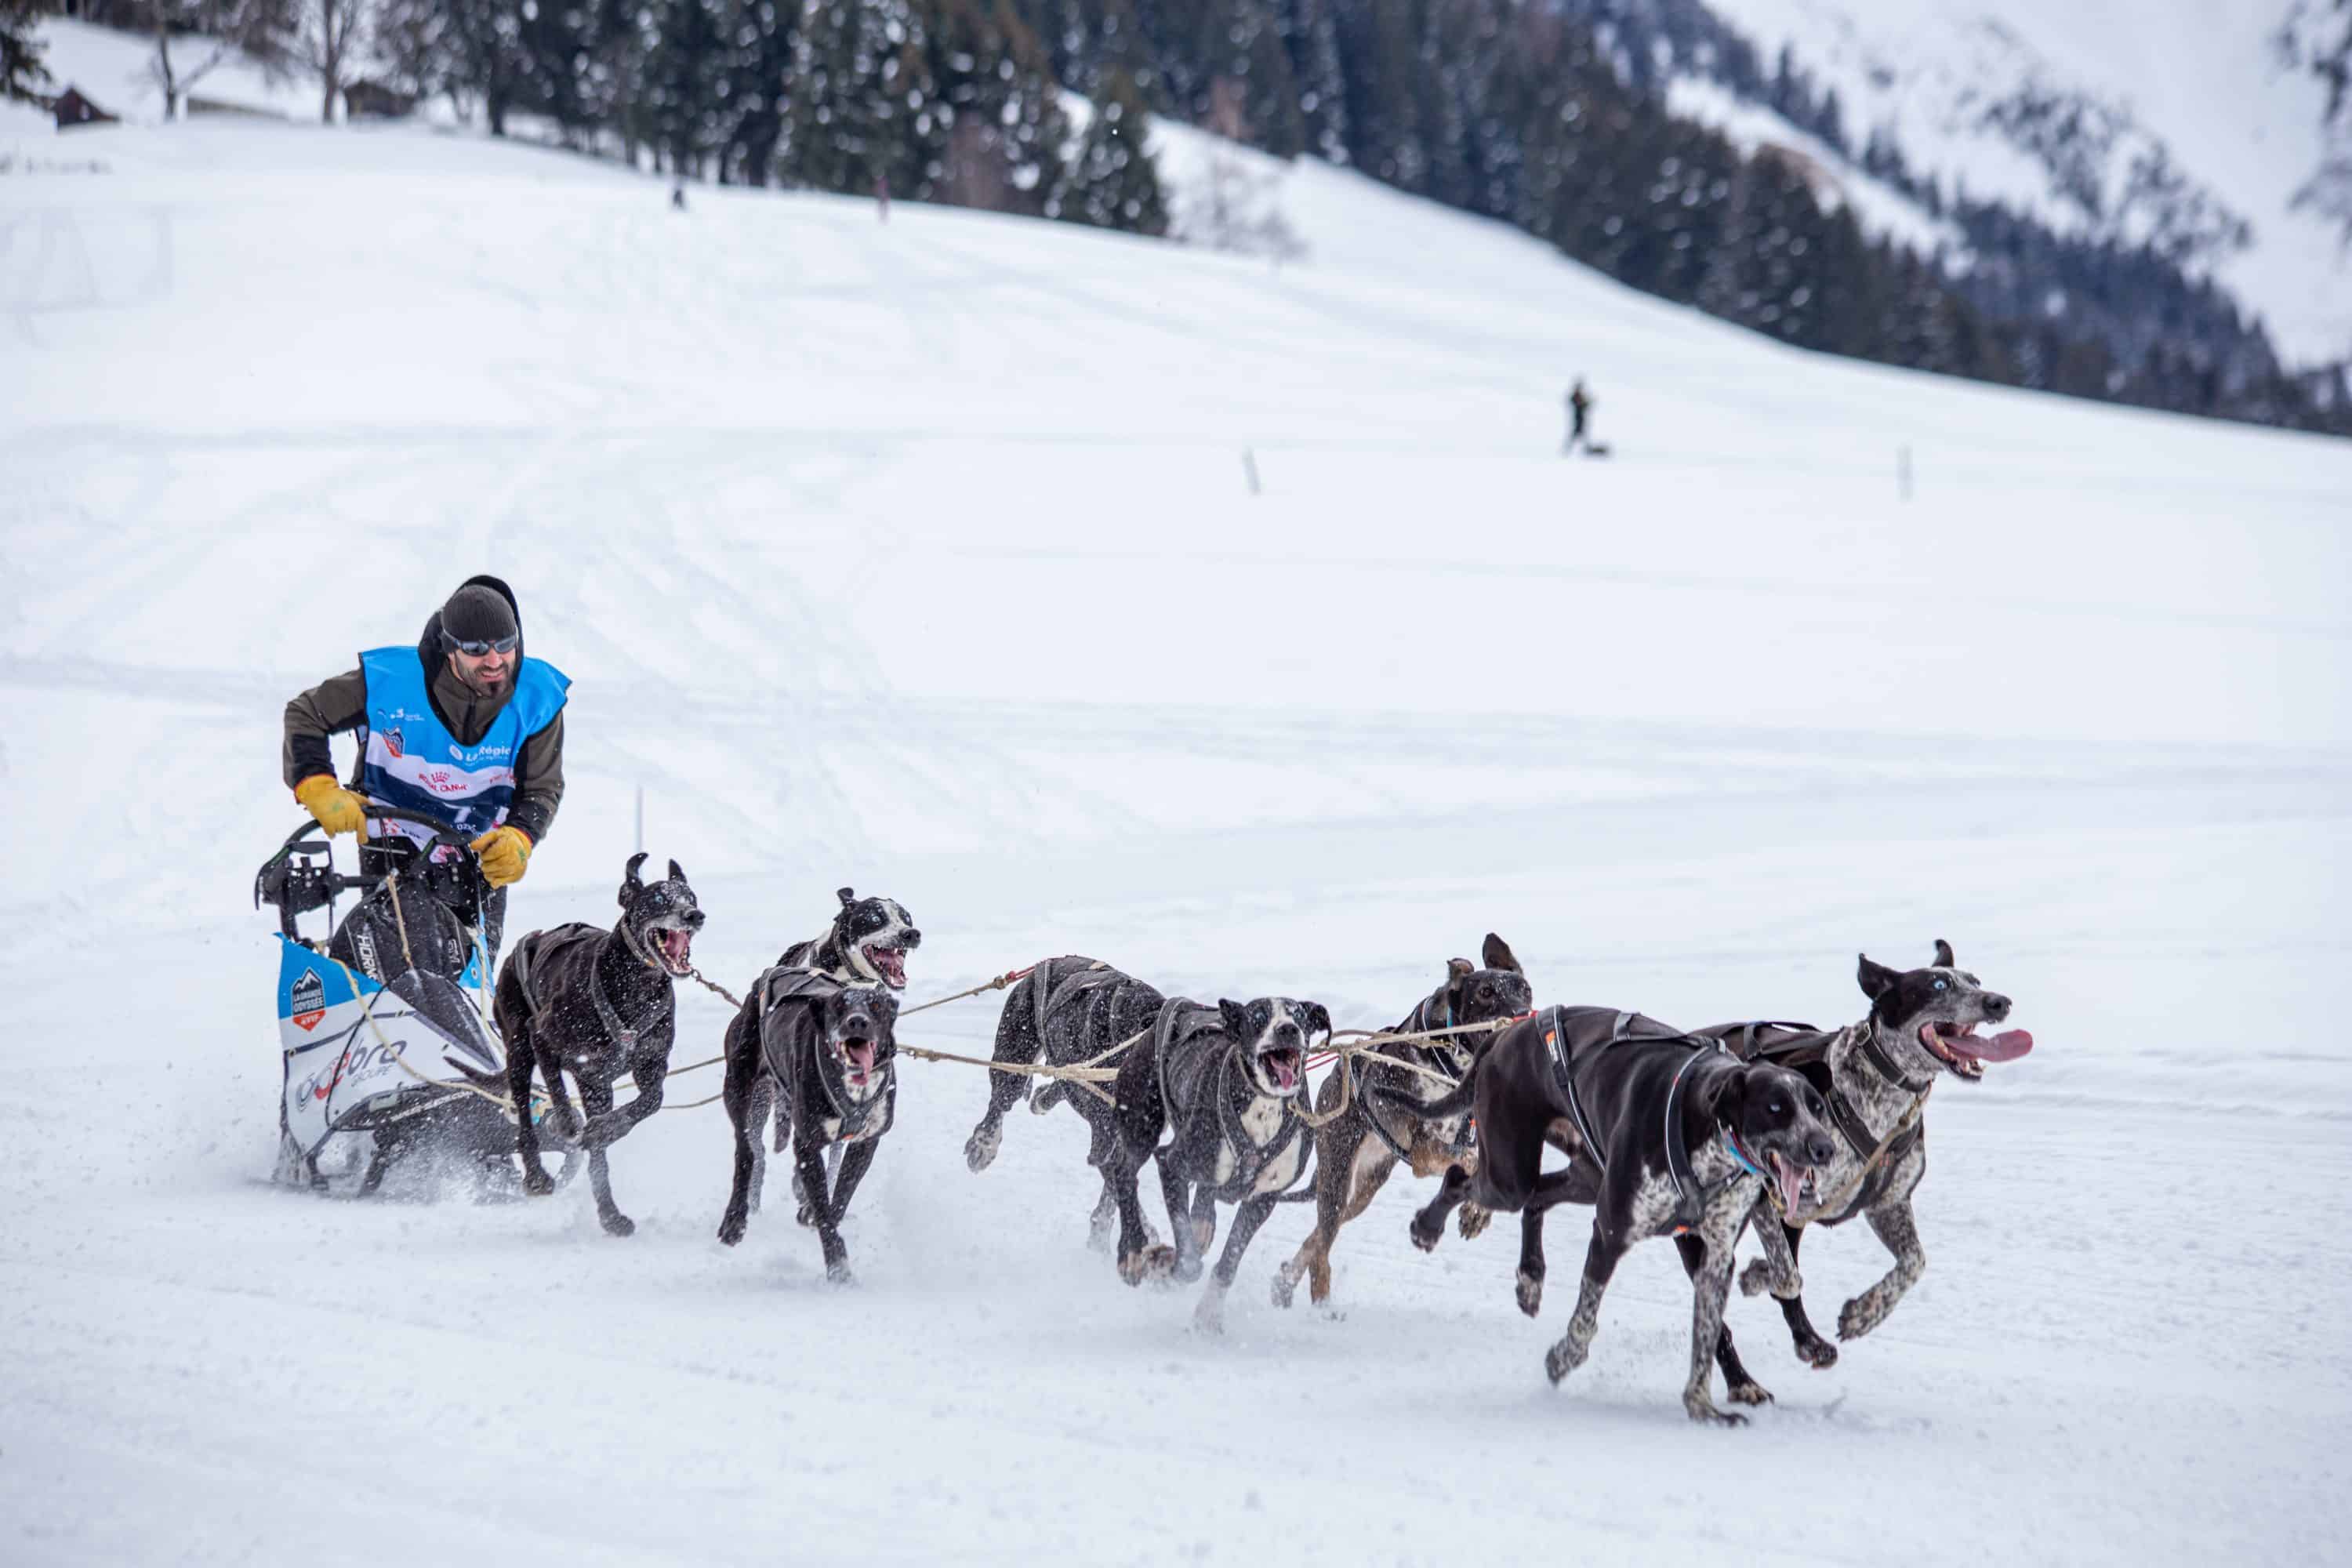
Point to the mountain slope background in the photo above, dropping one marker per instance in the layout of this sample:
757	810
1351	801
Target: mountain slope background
1977	191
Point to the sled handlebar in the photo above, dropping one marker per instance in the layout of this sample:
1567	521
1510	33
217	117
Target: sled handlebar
295	886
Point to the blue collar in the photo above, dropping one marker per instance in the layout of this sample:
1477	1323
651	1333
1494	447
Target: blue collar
1740	1156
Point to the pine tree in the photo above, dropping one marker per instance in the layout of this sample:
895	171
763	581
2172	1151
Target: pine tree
1005	129
22	74
759	75
1111	182
863	112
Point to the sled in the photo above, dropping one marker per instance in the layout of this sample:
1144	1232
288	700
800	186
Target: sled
385	1072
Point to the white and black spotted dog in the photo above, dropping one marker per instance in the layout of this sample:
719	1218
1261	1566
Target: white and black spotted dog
1667	1134
1875	1076
866	944
1227	1084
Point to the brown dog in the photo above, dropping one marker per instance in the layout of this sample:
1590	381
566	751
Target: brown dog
1355	1154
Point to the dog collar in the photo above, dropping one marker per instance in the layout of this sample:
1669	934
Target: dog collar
1885	1064
1740	1156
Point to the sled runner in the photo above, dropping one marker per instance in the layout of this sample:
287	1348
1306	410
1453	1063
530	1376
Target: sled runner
390	1054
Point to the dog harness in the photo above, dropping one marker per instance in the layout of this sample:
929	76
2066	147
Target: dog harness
623	1036
410	761
1416	1023
1180	1023
1812	1047
1692	1198
785	983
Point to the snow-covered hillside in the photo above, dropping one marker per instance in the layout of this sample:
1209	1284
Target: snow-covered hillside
2171	123
922	557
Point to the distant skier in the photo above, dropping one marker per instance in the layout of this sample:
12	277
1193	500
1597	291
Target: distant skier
882	196
460	727
1580	412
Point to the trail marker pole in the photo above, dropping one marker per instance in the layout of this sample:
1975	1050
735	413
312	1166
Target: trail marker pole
1249	468
1903	471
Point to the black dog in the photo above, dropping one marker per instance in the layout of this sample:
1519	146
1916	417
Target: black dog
866	944
1874	1076
1667	1134
1356	1152
1069	1011
1226	1083
830	1051
598	1003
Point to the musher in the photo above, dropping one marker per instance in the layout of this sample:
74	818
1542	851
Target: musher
461	728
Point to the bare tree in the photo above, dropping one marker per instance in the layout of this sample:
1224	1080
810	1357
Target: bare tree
331	34
259	29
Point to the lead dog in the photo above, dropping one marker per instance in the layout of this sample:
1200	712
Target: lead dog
824	1057
1356	1152
1224	1082
599	1004
1668	1134
1875	1076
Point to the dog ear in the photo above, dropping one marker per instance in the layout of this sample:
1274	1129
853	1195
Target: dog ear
1876	979
1236	1018
630	882
1315	1018
1498	955
849	895
1718	1096
676	873
1458	970
1944	959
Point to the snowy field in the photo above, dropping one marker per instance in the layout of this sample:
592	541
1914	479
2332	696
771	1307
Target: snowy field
921	557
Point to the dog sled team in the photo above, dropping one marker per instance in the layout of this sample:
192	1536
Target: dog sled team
1696	1136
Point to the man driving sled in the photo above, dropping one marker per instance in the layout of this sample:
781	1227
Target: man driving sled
461	728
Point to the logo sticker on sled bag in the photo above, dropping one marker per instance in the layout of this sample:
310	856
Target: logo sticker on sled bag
307	1000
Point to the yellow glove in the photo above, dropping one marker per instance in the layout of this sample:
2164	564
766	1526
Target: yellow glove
505	851
337	809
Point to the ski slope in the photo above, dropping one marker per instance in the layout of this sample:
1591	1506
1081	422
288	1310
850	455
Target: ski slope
921	557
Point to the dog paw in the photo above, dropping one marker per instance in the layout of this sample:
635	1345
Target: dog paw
1563	1358
1857	1318
1286	1285
1209	1317
1154	1263
1473	1221
838	1273
808	1215
538	1183
618	1224
980	1149
1816	1351
1750	1392
1759	1277
1530	1292
1702	1409
1426	1236
1187	1269
564	1120
730	1229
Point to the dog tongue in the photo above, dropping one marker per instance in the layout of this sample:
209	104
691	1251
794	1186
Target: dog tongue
2005	1047
1792	1181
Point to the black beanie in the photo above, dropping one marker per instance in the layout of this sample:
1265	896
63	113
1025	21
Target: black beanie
477	614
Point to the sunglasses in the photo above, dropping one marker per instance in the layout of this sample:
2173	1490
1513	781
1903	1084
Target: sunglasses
474	649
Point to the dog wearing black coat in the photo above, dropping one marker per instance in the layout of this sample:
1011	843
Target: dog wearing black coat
1874	1076
823	1057
1228	1084
1668	1134
1066	1012
598	1004
1356	1152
